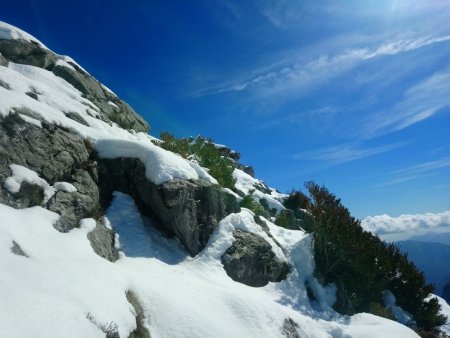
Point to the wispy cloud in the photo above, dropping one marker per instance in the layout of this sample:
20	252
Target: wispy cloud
419	102
417	171
385	224
297	73
426	166
344	153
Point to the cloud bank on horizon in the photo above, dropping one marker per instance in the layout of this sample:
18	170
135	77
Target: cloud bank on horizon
385	224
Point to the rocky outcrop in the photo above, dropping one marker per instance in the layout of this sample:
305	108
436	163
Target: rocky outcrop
248	169
189	209
55	154
111	108
251	261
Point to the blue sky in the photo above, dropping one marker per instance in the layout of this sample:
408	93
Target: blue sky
351	94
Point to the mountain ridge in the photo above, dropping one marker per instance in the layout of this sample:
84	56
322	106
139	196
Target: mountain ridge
68	148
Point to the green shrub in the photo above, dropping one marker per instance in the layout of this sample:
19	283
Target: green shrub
362	265
205	153
249	202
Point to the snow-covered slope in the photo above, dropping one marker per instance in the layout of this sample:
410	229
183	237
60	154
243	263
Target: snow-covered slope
59	287
54	284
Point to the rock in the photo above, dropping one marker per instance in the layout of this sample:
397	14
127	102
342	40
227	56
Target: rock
102	240
446	292
33	95
189	209
76	117
55	154
141	331
17	250
248	169
3	61
74	206
289	329
30	195
251	261
29	53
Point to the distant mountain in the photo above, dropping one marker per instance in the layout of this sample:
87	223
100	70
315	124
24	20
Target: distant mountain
436	237
430	257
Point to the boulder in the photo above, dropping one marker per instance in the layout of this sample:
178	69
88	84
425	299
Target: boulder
189	209
251	261
102	240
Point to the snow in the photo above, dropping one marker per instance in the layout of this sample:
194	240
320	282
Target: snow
108	90
10	32
400	315
231	192
161	165
113	104
445	310
64	186
137	236
246	184
51	292
31	120
22	174
63	63
182	297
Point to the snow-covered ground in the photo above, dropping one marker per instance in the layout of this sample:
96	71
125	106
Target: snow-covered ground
248	184
53	284
61	284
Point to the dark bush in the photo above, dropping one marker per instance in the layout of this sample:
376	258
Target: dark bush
361	265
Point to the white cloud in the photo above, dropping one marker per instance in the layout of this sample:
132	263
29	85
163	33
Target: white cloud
297	72
385	224
344	153
414	172
419	102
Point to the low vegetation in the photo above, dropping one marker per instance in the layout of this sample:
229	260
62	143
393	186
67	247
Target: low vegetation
361	265
203	151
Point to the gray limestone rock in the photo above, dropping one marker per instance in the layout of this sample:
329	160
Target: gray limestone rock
29	53
74	206
289	328
189	209
17	250
251	261
102	240
55	154
3	61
